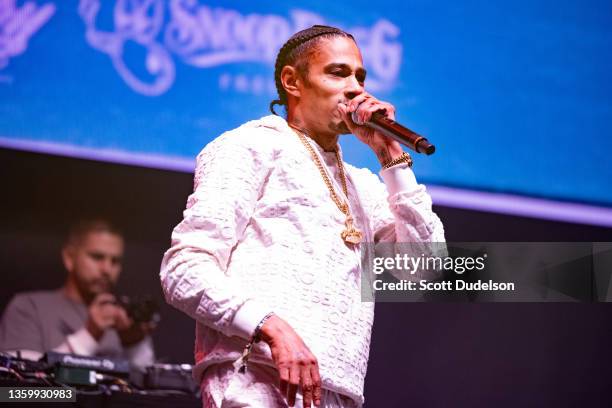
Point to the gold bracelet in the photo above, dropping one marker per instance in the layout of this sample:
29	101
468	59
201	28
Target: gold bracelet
404	158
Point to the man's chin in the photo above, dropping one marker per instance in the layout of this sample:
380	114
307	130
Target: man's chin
99	289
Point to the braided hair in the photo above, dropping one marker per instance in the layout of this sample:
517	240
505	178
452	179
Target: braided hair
293	51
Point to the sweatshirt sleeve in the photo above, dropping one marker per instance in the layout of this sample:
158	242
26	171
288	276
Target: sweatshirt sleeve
230	176
402	217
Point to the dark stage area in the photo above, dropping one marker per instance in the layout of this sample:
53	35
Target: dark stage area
422	355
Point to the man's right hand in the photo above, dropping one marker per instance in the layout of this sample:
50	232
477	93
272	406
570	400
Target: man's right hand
102	314
295	362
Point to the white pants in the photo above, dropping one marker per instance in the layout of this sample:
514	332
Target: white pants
222	387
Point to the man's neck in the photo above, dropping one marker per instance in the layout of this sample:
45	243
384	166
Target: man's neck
72	292
328	141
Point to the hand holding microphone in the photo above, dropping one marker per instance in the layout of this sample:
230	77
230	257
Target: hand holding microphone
394	130
381	119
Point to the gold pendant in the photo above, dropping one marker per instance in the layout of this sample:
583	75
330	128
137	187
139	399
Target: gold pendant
351	235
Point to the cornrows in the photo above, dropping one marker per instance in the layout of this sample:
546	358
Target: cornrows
293	50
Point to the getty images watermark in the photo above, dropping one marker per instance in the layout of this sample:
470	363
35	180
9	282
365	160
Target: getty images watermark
403	263
487	271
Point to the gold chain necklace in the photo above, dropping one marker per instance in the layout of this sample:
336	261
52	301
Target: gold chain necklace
350	235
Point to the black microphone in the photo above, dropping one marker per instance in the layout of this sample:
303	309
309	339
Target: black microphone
395	131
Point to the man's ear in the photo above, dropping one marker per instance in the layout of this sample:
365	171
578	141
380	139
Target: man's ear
68	257
291	80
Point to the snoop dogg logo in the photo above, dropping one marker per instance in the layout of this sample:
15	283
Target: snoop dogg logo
204	37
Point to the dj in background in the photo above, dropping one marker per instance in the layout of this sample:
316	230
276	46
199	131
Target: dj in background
83	316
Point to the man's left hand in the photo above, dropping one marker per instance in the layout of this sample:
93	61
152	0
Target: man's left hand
365	105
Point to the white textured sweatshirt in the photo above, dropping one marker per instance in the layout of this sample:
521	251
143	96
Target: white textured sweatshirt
261	233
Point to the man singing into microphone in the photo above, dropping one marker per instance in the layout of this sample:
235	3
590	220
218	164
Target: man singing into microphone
267	257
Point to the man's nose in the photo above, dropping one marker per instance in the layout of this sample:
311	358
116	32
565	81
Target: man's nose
106	266
353	87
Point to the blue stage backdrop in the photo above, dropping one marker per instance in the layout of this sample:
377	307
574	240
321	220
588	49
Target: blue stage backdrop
516	96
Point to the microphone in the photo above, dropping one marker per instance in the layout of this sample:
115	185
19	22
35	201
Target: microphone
397	132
